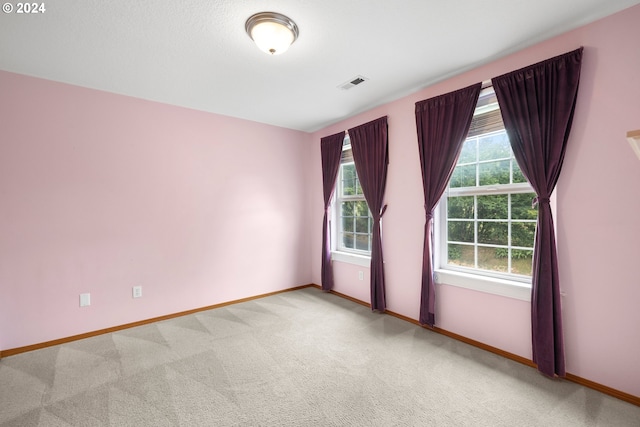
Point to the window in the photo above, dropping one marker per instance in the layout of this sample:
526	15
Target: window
489	222
355	224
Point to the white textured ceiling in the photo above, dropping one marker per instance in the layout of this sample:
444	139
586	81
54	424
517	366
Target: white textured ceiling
195	53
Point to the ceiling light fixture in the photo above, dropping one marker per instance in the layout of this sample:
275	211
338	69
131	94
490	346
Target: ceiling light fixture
271	31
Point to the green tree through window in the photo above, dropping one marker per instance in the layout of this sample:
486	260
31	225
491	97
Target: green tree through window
355	221
490	222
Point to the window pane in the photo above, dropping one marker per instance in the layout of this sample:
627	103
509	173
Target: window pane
494	233
460	207
460	231
461	255
522	234
521	261
485	224
347	240
358	187
361	208
354	227
362	225
521	206
348	179
362	242
463	176
489	259
347	208
517	173
492	173
495	146
468	152
493	207
347	224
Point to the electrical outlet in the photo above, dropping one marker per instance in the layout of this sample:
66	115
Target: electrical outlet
137	291
361	275
85	300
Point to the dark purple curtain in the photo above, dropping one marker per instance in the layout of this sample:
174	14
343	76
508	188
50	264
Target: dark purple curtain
537	105
442	123
330	150
369	144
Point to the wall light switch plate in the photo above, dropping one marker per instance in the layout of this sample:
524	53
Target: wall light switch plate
360	275
137	291
85	300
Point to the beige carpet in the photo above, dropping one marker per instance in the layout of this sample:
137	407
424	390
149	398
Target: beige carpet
301	358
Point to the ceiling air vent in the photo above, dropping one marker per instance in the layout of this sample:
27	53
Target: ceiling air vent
353	82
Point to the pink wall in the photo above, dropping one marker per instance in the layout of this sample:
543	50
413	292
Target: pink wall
597	202
101	192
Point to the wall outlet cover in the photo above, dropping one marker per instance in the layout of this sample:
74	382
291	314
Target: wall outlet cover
137	291
85	300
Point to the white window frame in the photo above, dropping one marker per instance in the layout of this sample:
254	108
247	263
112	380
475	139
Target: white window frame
339	251
505	284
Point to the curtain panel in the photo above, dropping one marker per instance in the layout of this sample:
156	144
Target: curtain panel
537	104
369	144
330	150
442	124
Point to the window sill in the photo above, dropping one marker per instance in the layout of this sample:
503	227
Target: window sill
490	285
349	258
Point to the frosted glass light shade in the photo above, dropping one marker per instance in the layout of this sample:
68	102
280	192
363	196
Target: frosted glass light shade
272	32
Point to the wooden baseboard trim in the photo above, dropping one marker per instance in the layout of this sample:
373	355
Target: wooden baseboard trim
604	389
441	331
635	400
14	351
483	346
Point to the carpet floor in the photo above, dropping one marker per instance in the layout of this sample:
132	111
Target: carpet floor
300	358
